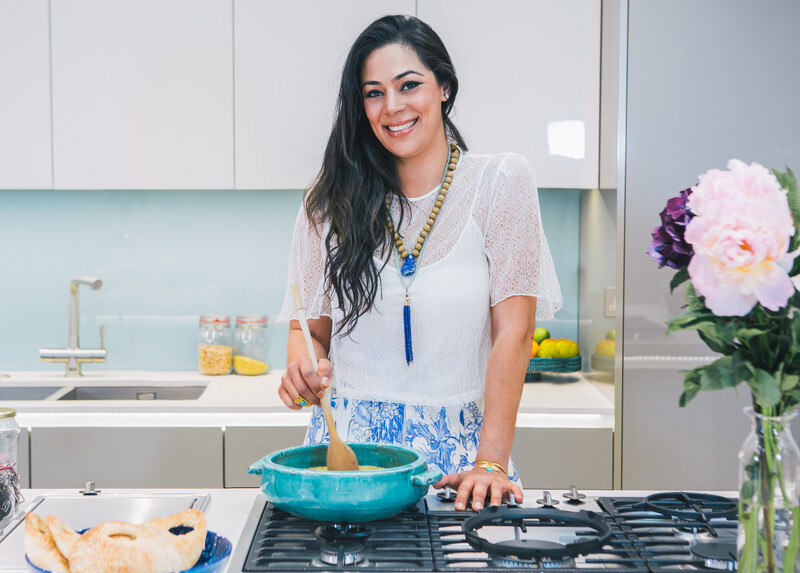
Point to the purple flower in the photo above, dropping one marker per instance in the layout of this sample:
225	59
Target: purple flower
669	248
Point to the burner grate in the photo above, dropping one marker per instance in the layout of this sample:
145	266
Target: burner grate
664	538
284	542
452	552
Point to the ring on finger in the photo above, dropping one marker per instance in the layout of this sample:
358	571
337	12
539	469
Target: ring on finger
301	401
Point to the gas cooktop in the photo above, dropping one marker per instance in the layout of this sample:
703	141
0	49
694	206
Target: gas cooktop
675	531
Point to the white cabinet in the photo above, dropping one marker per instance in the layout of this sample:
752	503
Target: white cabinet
289	57
544	457
25	132
529	81
247	444
560	457
126	457
223	94
142	94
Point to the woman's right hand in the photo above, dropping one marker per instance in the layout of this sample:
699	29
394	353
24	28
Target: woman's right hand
300	380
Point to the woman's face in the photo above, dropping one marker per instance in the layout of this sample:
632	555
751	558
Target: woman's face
402	101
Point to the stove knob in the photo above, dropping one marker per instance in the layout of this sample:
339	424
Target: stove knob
90	489
573	497
547	500
447	495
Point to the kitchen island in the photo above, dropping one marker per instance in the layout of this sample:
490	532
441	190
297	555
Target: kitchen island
210	440
235	513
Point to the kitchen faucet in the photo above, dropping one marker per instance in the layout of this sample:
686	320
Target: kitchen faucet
73	356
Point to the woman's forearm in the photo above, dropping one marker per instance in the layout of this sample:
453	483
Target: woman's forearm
320	333
513	323
505	376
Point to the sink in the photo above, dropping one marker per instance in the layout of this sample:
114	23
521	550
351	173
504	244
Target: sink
83	511
134	393
26	392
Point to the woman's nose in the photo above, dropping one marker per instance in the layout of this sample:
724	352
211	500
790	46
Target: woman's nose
394	102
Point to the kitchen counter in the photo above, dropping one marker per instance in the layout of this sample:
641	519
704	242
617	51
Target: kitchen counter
226	514
253	400
229	509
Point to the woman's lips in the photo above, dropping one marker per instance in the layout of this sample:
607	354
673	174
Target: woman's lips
401	129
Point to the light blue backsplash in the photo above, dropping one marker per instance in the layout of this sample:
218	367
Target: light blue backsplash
165	257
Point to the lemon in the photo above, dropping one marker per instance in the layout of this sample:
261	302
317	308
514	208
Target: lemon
558	348
611	334
534	349
248	366
547	348
605	348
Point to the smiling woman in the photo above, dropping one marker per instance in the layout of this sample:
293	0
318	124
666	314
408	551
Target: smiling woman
403	103
425	344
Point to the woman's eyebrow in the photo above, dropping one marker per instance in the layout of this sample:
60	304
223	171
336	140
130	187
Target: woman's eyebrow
397	77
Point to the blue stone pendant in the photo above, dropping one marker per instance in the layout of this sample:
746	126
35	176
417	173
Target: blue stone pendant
409	267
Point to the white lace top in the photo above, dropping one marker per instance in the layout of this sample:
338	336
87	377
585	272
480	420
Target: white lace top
487	245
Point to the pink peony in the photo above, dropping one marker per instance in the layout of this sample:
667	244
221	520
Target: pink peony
740	236
741	182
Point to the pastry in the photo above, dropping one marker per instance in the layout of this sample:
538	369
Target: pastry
159	546
41	547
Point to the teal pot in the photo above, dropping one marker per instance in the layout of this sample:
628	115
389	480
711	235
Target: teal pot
345	496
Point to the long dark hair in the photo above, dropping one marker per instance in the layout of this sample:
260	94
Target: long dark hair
357	171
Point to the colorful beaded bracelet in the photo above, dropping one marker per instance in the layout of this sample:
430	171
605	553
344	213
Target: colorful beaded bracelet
490	466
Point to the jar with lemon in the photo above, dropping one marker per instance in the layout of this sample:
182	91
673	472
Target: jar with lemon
250	345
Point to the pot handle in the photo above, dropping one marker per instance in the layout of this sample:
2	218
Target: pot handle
429	476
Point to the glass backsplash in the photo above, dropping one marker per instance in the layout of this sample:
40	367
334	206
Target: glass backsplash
165	257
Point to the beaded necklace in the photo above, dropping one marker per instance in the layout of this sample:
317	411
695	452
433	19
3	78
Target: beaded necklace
408	270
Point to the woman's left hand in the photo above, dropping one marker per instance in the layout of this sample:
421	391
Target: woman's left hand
480	484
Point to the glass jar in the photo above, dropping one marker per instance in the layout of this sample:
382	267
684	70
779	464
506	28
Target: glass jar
10	496
250	345
215	345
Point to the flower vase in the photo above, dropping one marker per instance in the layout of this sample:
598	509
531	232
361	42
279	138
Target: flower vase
769	497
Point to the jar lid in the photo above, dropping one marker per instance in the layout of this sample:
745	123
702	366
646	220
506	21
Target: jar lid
251	319
7	413
214	319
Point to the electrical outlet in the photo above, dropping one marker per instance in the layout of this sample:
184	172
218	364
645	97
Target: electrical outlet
611	302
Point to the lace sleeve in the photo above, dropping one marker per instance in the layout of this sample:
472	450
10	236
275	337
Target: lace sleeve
307	270
519	258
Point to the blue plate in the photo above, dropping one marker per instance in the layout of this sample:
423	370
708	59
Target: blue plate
213	558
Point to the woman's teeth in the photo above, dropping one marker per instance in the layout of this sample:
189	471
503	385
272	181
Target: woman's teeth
402	127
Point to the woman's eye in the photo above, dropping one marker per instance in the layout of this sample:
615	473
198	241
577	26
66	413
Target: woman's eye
410	85
372	93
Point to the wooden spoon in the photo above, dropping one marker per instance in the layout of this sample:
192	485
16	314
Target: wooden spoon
341	457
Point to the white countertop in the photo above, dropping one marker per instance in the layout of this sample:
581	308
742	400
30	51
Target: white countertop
558	400
226	514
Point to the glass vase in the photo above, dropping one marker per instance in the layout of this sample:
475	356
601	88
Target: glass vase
769	497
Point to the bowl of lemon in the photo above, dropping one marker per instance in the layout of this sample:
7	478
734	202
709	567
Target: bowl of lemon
552	355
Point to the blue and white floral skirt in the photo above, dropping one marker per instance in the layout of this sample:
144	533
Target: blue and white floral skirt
448	436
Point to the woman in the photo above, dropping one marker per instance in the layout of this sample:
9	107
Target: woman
421	268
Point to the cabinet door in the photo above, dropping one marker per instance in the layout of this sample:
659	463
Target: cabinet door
126	457
143	94
25	131
529	81
247	444
289	57
549	458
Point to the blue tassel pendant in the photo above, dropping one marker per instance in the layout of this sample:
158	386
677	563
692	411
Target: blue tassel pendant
407	330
